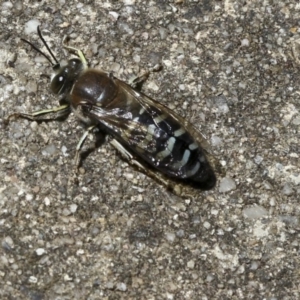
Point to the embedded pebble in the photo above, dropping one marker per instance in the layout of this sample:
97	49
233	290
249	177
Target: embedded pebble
226	185
128	2
30	26
109	285
121	287
33	279
73	208
114	15
290	220
125	28
170	237
163	33
287	189
180	233
220	103
255	212
49	150
254	265
31	86
40	251
258	159
296	120
206	225
191	264
216	141
8	243
245	43
260	230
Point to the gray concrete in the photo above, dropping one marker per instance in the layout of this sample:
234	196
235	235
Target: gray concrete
232	69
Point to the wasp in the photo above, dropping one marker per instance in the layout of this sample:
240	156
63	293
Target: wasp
147	133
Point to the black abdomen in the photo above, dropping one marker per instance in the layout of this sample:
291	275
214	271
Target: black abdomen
170	148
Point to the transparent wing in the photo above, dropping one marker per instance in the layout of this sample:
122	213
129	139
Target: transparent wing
153	132
148	103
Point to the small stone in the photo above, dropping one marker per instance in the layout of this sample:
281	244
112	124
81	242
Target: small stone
33	279
8	243
170	236
114	15
109	285
258	159
180	233
287	189
122	287
191	264
226	185
30	26
73	208
40	251
206	225
255	212
49	150
67	278
216	141
245	43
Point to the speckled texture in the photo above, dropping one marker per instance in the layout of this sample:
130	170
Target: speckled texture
232	69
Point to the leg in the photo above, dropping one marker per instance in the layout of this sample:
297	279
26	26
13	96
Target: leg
78	52
43	115
80	144
129	157
138	81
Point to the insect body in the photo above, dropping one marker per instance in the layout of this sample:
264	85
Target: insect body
141	127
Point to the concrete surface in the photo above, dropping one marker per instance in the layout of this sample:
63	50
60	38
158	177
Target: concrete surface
232	69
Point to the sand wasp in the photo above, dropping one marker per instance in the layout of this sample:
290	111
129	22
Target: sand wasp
147	133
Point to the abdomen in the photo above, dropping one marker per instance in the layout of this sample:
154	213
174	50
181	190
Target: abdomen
167	145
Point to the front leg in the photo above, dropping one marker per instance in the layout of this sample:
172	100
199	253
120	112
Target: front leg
42	115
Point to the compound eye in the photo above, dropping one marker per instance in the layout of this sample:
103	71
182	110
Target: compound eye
57	83
74	63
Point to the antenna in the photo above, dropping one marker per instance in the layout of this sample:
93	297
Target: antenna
40	51
46	45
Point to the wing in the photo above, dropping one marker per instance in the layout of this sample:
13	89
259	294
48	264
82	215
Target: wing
147	103
155	133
